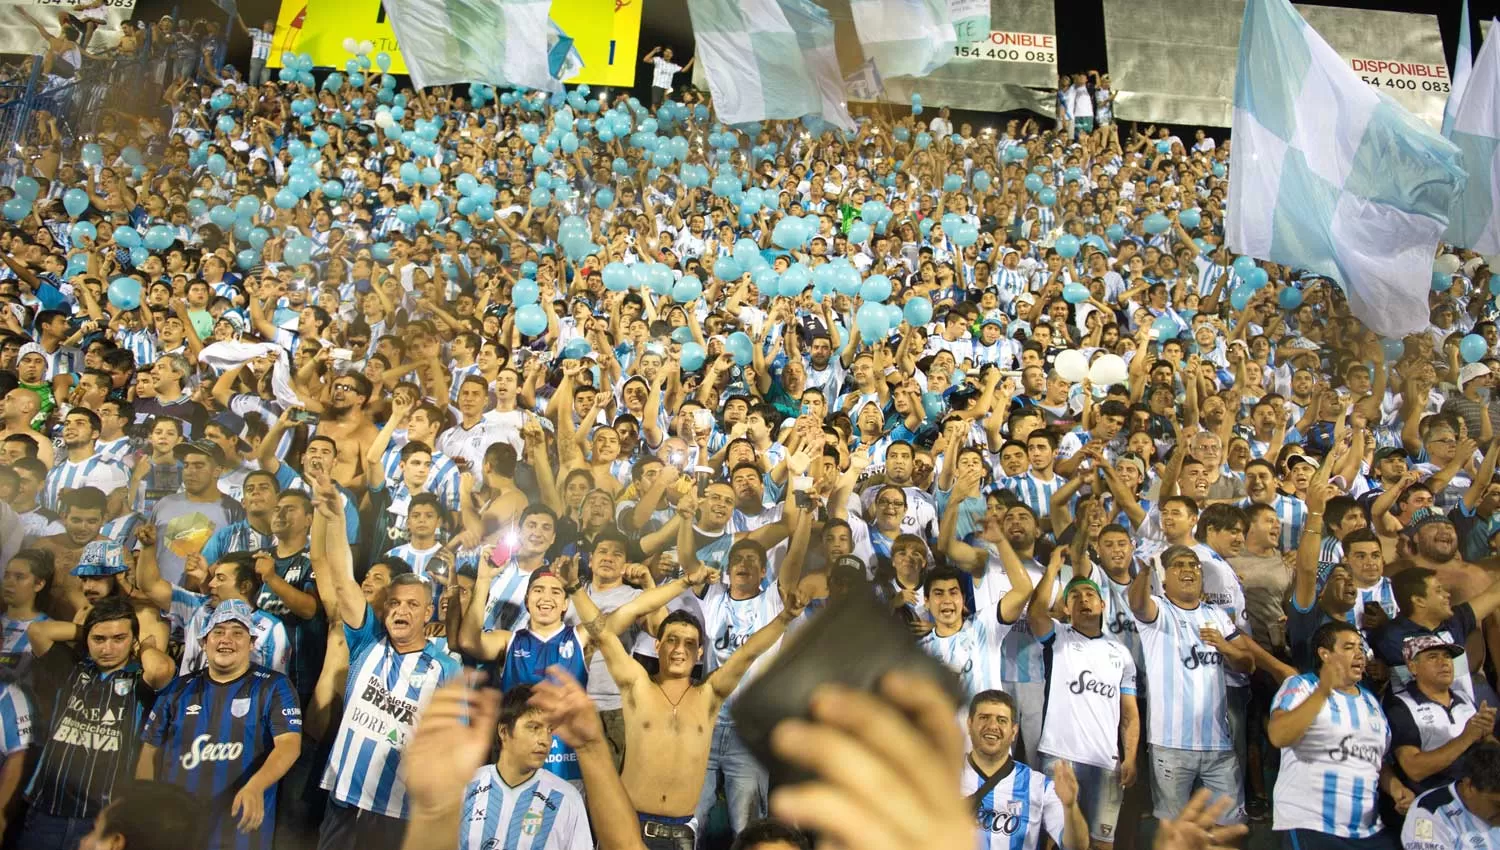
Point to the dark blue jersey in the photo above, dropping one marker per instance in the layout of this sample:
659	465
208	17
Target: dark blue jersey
213	736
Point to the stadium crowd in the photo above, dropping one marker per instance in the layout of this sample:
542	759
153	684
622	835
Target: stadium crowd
332	411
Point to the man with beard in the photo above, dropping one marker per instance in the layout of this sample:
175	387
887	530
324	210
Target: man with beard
81	466
83	517
254	532
393	673
1011	800
669	721
1092	722
318	458
344	420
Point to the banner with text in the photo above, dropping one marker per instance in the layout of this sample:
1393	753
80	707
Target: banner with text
1013	66
19	36
1173	61
605	33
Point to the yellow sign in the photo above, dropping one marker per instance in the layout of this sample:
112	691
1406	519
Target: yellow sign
606	34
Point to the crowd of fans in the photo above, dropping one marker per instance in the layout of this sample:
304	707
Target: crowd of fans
317	391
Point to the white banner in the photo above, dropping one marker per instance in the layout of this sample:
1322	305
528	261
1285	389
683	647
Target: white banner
1025	47
971	19
1173	61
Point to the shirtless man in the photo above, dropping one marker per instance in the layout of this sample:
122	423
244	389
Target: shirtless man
345	421
17	410
669	721
83	512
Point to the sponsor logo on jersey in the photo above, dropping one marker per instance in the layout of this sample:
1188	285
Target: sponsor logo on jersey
204	749
1086	683
1199	656
192	710
1349	748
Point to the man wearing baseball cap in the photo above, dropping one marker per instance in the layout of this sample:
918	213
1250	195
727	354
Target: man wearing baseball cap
1433	728
227	732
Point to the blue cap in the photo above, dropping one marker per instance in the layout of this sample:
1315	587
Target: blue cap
101	559
232	610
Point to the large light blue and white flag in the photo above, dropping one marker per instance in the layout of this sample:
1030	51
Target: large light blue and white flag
502	42
1331	176
1463	65
906	38
865	83
1474	223
769	59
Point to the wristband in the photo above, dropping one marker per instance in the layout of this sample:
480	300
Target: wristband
571	589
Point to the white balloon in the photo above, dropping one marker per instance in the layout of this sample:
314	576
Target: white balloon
384	119
1072	365
1107	370
365	47
350	45
1446	263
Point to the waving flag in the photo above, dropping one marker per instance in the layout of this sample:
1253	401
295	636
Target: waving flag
1463	65
1331	176
1476	131
502	42
906	38
769	59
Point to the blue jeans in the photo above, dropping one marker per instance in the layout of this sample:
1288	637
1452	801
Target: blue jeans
1177	773
746	783
1099	795
48	832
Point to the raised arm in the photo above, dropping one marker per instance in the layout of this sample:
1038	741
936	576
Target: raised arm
330	537
725	679
625	670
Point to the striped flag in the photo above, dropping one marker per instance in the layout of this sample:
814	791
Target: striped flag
769	59
906	38
502	42
1463	65
1476	131
1331	176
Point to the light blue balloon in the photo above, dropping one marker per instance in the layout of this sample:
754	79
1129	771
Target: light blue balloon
689	288
1067	246
1289	298
739	345
124	293
1190	218
531	320
525	292
693	356
918	311
1473	348
876	288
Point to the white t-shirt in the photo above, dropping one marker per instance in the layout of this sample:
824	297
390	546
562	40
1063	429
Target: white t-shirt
1085	679
661	76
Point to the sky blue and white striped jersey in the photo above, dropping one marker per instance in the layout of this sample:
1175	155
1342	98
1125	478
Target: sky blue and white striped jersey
1017	810
383	696
1189	701
1381	594
507	606
442	479
119	450
1292	512
1032	491
273	649
15	720
214	736
1439	820
973	652
95	471
15	649
236	537
1330	779
418	559
542	813
121	529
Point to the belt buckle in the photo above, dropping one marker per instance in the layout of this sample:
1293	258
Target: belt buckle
650	830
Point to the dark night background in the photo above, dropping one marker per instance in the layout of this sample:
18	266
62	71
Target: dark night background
1080	24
